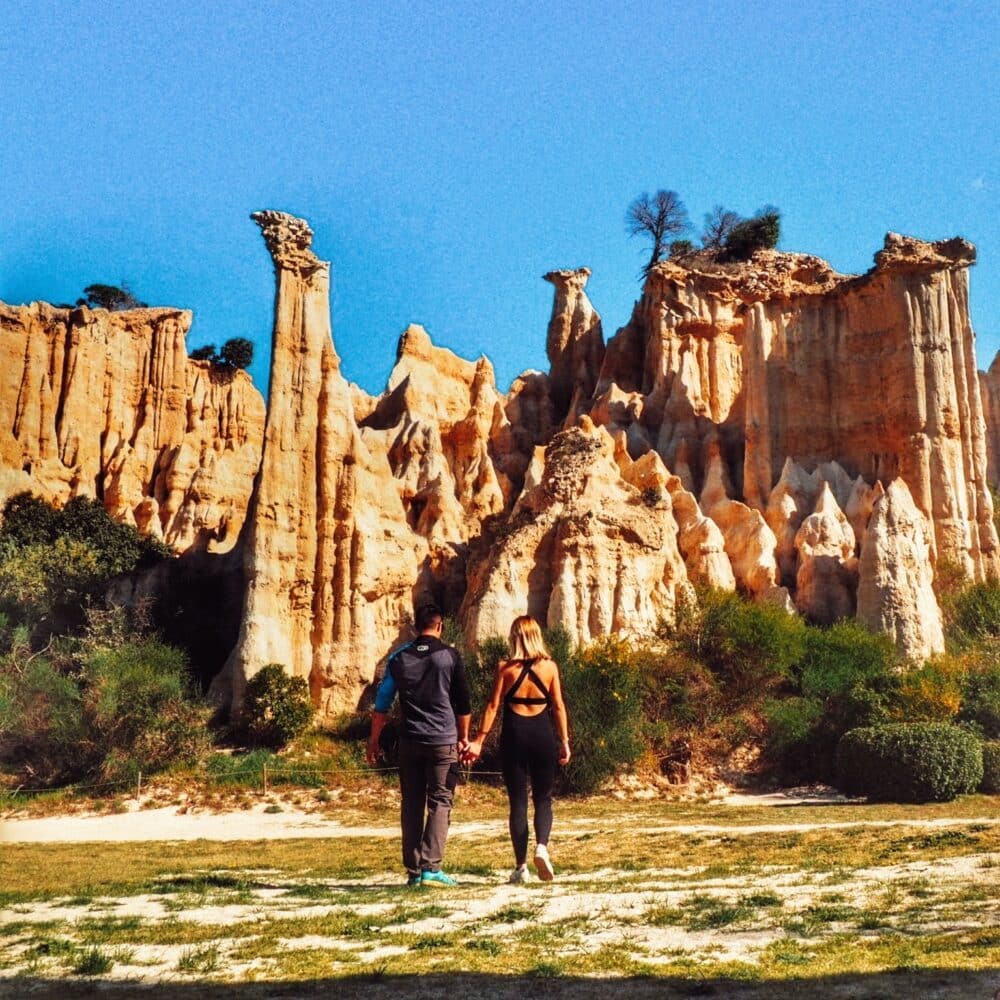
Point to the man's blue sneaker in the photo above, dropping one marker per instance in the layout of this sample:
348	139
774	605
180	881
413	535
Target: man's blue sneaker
436	878
413	880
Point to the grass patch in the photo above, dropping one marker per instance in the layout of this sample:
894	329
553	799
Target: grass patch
92	962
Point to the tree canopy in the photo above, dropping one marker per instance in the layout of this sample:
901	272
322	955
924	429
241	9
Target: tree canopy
660	217
110	297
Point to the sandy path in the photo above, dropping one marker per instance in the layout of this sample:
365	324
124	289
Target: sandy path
169	824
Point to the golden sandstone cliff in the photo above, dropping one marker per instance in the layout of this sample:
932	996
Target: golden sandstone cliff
817	440
990	387
109	405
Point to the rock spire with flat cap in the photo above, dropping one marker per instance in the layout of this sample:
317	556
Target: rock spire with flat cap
330	562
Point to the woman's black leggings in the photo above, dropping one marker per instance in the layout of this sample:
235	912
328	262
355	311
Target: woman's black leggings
528	750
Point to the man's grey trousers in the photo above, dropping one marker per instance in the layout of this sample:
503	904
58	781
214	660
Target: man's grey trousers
427	793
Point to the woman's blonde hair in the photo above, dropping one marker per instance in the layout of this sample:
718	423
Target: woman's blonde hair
526	642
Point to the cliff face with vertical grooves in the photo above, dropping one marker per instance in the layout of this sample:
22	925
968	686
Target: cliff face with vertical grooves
109	405
781	358
812	439
989	384
330	561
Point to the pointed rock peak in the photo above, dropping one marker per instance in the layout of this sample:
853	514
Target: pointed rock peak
794	479
995	367
826	503
414	341
574	280
485	374
289	241
717	488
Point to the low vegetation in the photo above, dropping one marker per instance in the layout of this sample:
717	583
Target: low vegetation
727	237
741	690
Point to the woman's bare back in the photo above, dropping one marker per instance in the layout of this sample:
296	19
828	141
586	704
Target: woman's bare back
543	668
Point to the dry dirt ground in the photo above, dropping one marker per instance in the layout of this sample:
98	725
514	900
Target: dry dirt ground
649	900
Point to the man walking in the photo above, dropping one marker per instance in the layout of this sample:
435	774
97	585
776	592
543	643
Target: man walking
429	677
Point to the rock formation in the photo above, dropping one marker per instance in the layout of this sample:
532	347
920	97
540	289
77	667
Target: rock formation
895	595
108	405
330	559
989	383
583	549
780	357
826	578
575	343
808	438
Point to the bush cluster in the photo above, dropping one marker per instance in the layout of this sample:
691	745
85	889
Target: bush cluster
96	712
991	768
276	707
54	562
909	762
235	353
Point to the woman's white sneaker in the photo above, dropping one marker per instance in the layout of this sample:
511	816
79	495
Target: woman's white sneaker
519	875
543	863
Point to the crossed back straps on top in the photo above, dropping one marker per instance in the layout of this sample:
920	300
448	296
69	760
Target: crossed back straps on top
527	671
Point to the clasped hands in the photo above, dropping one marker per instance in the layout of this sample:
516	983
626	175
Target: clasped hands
469	751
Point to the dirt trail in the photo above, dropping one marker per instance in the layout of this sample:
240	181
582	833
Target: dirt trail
172	824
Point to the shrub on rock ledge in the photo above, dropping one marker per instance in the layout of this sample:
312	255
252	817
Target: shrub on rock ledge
909	762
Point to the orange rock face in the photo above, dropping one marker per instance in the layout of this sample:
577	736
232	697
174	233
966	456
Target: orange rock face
109	405
989	383
330	560
813	439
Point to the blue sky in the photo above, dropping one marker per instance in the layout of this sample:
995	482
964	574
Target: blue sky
449	154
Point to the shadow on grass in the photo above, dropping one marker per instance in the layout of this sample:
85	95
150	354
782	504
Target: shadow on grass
927	984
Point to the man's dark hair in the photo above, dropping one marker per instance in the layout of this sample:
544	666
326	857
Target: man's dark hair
427	616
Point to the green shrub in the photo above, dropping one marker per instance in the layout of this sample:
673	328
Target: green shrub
42	730
762	232
28	520
991	768
237	353
140	711
981	701
909	762
53	563
276	707
681	247
846	678
976	613
603	694
751	646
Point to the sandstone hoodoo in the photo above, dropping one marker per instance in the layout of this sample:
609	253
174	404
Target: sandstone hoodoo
990	385
813	439
109	405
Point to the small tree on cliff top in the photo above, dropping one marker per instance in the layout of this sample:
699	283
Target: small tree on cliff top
660	217
719	223
110	297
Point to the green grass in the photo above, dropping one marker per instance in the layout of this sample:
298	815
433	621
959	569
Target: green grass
667	908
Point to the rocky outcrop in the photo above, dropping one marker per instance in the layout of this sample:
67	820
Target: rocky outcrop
826	578
583	548
781	357
989	383
330	559
575	343
895	595
108	405
883	369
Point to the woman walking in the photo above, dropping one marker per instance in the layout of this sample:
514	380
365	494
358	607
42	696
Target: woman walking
527	684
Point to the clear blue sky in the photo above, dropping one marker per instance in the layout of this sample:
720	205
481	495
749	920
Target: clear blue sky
448	154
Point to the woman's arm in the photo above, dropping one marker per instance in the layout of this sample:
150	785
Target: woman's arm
475	746
559	711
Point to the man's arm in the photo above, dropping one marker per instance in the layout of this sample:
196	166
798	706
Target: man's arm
461	703
384	698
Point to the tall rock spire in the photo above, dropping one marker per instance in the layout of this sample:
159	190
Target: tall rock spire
575	342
